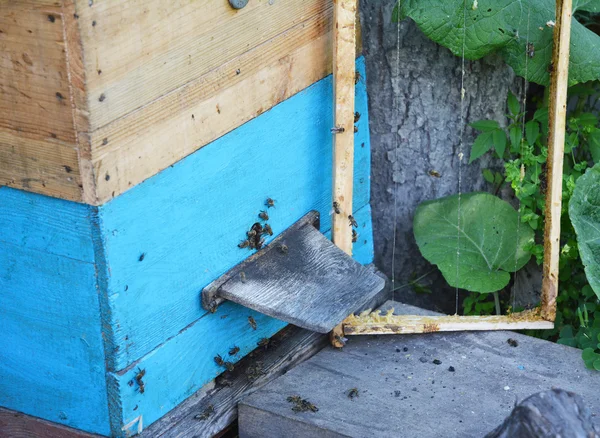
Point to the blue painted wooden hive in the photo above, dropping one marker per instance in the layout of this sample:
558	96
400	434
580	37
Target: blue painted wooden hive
138	141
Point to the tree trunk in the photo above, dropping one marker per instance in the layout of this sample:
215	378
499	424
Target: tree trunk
415	127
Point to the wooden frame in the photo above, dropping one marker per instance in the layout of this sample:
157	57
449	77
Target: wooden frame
541	318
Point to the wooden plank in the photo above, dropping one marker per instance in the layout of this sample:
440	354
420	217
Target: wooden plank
165	46
17	425
389	323
344	52
559	82
210	106
185	254
37	136
312	283
290	347
403	392
51	352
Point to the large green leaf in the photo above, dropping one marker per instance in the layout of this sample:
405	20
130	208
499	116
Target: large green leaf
520	30
584	211
479	253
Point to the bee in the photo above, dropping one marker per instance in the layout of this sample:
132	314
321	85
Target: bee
251	234
337	130
142	256
294	399
336	207
356	116
233	351
352	393
267	230
264	342
206	414
252	322
550	67
219	360
229	365
355	129
512	342
138	378
283	248
212	307
244	244
354	236
357	77
270	203
257	228
259	244
435	173
243	276
353	222
254	371
530	50
263	215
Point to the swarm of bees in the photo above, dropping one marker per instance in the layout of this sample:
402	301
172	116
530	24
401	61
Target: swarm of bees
254	237
206	413
352	393
301	405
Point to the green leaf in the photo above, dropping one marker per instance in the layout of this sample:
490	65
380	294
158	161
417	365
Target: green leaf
509	27
477	251
485	125
499	139
594	144
513	104
532	131
488	175
587	120
587	5
515	135
483	143
584	211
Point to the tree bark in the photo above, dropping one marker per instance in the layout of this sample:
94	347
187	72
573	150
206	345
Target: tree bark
415	128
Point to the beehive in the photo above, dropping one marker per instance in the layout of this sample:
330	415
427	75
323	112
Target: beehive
138	142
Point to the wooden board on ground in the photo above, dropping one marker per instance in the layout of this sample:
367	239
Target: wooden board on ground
441	384
301	278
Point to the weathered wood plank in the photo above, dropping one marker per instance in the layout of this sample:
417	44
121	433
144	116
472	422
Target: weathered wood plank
165	46
289	347
209	107
51	350
215	207
311	283
17	425
37	136
557	113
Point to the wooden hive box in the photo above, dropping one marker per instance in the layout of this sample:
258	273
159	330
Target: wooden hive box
139	140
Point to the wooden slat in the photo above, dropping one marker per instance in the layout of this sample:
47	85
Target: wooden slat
37	135
557	105
147	48
389	323
312	284
149	140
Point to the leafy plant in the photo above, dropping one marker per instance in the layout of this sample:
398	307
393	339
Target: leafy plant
519	30
487	235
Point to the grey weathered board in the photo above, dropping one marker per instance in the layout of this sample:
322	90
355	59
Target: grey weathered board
301	278
403	393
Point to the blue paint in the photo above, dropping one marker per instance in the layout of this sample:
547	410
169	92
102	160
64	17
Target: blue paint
188	219
51	350
183	364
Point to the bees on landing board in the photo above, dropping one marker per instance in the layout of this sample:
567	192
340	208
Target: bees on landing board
233	351
270	203
254	240
283	248
301	405
336	207
435	173
252	322
263	215
206	413
353	222
530	50
352	393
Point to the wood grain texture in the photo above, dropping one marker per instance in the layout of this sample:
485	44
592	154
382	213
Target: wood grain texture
38	141
313	284
217	194
185	363
557	113
291	346
51	351
17	425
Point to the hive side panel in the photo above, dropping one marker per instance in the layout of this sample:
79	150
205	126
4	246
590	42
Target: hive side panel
169	237
185	363
51	352
38	150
